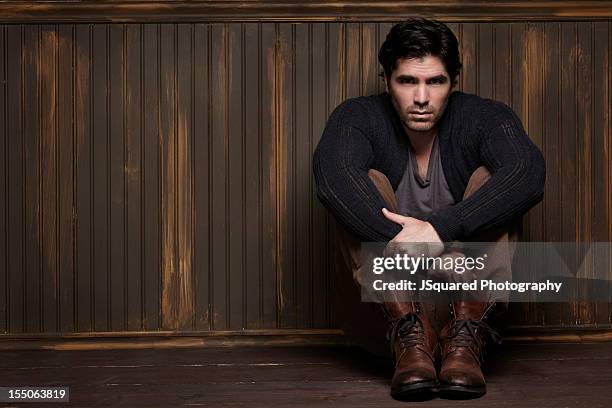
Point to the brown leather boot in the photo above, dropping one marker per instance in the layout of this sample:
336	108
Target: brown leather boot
413	347
464	341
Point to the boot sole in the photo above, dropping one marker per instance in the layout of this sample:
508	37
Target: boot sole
416	392
461	392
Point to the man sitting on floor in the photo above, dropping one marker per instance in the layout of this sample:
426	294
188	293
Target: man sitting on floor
421	163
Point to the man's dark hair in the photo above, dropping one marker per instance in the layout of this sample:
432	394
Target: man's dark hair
417	38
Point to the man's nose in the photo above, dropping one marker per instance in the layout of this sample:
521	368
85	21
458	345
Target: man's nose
421	96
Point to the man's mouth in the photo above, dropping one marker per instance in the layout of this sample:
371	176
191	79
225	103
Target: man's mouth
421	115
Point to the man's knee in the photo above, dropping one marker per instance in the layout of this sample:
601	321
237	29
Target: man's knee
384	187
478	178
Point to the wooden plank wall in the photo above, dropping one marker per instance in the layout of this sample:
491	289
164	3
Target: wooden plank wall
158	176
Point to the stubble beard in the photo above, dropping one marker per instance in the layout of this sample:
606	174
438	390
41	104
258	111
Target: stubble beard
424	126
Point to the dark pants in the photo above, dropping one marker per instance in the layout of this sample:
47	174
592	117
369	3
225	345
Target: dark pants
363	322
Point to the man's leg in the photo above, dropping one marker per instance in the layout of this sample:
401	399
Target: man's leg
412	339
350	249
464	337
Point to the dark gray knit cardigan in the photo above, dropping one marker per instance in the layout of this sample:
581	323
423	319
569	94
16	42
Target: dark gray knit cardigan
366	132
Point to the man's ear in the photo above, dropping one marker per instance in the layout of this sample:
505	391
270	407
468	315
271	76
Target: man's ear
384	78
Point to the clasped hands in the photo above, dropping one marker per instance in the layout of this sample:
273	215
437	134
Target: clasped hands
418	238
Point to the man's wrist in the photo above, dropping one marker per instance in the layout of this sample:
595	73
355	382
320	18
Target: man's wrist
446	229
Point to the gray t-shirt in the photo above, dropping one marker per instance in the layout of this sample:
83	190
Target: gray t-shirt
418	198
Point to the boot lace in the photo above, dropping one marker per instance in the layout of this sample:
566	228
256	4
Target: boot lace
410	330
463	333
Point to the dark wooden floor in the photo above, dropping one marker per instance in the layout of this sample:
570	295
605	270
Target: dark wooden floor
540	375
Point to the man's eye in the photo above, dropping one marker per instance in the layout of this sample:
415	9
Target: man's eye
437	81
406	81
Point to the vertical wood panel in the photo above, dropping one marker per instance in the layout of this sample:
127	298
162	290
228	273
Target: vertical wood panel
584	103
14	185
352	67
502	63
46	69
100	178
486	59
202	174
184	176
83	126
285	174
530	100
551	131
32	182
133	173
116	145
552	150
16	250
469	54
569	146
219	162
336	64
151	155
175	108
319	62
369	60
600	88
253	211
269	282
65	302
236	159
168	175
303	175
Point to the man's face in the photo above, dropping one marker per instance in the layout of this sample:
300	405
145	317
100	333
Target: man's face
419	89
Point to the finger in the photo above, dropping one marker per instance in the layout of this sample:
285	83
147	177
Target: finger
399	219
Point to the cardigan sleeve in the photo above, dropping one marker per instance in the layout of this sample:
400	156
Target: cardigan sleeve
341	162
517	179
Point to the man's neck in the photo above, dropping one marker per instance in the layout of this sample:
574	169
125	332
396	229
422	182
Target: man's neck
421	142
